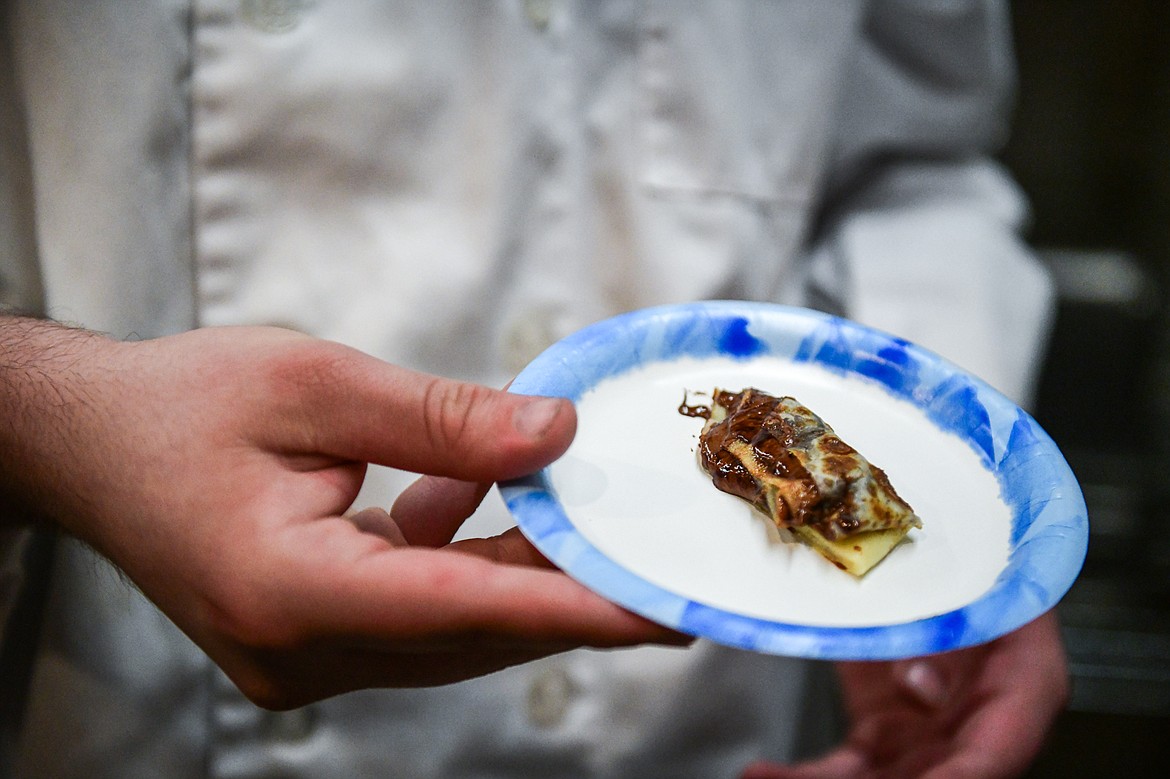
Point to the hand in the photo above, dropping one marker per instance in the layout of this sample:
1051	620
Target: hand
215	468
979	712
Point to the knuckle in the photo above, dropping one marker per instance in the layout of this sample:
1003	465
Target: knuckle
301	381
259	650
448	409
304	366
253	629
255	626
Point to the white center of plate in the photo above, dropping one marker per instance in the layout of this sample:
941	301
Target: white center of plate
632	486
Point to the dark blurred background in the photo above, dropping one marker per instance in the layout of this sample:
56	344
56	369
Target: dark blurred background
1092	148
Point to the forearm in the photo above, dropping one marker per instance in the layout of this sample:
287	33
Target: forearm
46	404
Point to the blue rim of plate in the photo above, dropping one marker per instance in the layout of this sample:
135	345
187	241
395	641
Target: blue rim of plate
1049	532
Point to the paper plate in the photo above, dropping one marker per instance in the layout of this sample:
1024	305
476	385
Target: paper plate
628	512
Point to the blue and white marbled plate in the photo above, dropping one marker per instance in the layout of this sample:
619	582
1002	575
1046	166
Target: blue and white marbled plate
628	512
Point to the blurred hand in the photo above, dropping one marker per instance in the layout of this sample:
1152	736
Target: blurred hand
215	468
979	712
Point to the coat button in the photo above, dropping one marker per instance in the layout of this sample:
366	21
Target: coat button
549	696
538	13
273	15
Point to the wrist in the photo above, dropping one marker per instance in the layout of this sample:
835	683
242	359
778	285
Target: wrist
46	373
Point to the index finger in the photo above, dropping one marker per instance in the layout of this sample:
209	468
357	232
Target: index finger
431	510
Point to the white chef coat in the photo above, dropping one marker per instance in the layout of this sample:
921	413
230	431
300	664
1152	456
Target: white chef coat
452	186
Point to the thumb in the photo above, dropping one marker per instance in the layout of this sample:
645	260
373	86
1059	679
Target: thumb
372	411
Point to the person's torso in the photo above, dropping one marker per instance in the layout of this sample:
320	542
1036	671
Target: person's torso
450	186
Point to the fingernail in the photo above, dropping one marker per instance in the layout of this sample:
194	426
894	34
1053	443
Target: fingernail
534	418
925	683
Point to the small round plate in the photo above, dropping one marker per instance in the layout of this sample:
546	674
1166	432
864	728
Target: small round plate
628	512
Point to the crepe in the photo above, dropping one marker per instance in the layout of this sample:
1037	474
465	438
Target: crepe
788	463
